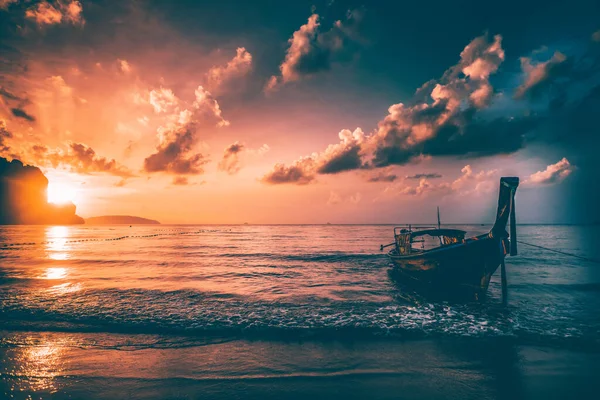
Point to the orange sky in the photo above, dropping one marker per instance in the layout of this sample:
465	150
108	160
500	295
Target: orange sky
134	117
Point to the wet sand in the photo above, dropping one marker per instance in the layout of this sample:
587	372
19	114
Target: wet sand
70	366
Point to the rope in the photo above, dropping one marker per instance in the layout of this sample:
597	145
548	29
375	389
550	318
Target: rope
176	232
561	252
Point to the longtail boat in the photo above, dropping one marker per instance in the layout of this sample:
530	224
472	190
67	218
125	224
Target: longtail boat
458	266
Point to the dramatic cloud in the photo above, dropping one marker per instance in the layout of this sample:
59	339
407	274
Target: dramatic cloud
312	51
447	123
173	154
301	172
303	55
45	13
20	113
343	156
79	158
219	77
424	176
540	76
4	134
442	120
177	139
340	157
554	173
230	162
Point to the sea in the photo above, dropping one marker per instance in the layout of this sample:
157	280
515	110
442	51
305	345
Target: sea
286	311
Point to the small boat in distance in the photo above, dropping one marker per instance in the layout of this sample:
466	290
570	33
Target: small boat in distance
457	266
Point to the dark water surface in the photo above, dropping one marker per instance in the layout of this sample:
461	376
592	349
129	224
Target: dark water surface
253	311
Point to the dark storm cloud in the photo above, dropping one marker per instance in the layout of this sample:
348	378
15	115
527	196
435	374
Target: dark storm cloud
423	176
554	78
347	160
230	162
479	137
452	117
540	77
20	113
313	50
442	119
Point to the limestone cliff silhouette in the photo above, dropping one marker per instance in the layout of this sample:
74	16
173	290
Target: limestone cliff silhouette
23	198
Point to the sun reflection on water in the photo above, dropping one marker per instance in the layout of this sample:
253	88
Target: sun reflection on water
55	273
57	247
36	368
65	288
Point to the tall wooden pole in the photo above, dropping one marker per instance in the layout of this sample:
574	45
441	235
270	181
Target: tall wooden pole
504	284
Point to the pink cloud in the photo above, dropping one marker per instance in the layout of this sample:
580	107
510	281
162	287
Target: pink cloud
300	172
554	173
44	13
79	158
537	73
162	99
468	183
124	66
219	77
230	162
444	106
312	50
179	135
206	103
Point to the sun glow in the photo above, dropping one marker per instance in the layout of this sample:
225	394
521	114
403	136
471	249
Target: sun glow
61	193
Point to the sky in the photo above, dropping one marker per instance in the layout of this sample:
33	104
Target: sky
307	111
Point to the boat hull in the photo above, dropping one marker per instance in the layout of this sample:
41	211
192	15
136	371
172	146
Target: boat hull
459	270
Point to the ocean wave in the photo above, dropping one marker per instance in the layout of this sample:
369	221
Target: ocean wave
198	315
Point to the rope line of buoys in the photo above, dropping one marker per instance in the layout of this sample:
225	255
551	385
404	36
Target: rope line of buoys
170	232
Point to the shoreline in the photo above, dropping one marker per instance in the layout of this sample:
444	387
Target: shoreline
62	365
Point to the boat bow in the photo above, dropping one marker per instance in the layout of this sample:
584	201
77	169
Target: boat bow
506	210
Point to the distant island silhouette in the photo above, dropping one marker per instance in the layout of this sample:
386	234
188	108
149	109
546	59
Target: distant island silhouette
119	220
23	198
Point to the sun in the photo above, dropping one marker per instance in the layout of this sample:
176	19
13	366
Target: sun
61	193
